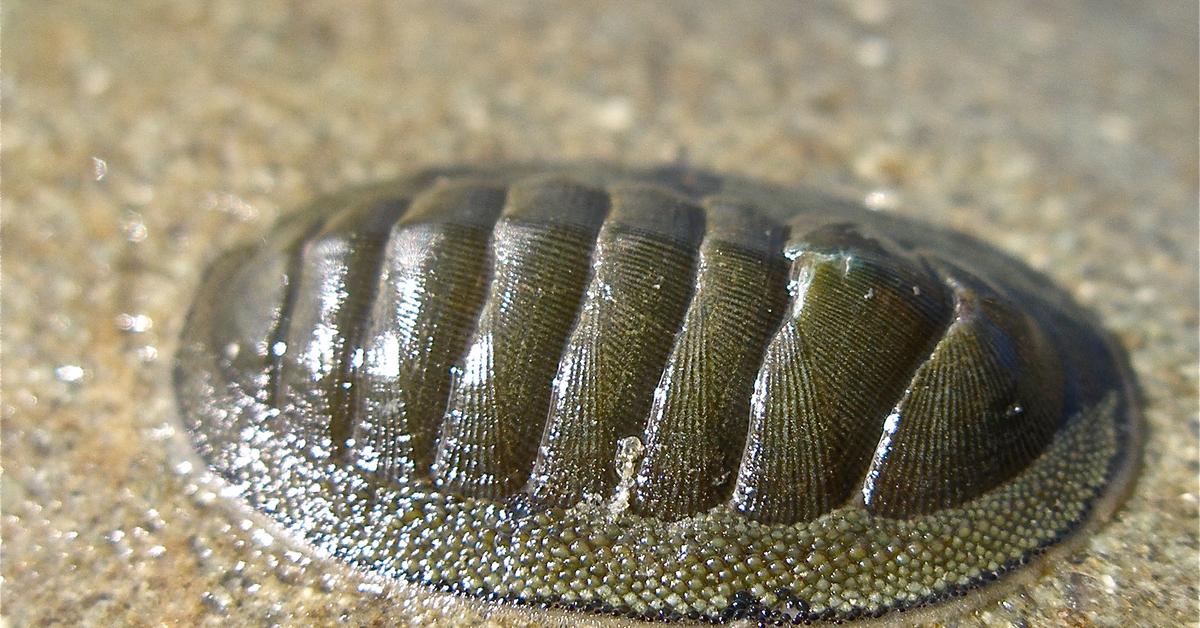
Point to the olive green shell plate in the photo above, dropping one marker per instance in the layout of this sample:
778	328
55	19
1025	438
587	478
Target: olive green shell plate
660	394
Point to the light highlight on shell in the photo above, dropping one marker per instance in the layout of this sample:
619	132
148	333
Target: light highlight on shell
654	393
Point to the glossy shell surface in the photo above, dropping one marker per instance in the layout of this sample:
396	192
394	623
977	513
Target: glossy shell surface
660	394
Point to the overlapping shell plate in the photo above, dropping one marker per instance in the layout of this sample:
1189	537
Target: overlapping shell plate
661	394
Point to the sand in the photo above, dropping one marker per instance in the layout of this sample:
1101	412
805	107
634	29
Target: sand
140	139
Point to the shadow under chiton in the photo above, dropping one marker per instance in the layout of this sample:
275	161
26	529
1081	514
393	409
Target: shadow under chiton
653	393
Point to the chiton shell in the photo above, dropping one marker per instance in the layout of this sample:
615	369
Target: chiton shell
660	393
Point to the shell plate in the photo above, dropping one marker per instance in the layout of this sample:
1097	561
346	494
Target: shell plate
656	393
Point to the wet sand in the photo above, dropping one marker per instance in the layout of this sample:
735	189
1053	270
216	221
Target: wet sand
142	138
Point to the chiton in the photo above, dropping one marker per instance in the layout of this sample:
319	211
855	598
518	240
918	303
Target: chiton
659	394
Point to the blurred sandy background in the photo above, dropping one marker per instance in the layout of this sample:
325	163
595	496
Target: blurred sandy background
141	138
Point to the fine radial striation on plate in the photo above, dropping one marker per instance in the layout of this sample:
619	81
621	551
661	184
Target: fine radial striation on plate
653	393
